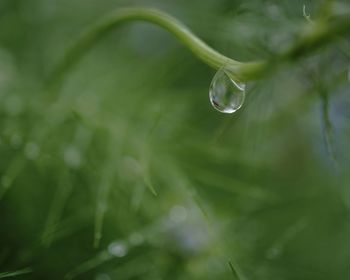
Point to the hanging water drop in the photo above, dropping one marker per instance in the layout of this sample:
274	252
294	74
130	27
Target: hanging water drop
225	94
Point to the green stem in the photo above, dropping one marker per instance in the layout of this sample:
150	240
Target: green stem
319	35
181	32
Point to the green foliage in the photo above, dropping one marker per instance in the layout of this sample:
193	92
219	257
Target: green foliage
128	173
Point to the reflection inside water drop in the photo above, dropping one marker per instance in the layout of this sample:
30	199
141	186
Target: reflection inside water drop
225	94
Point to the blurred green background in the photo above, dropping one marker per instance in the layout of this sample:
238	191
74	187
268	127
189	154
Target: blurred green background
260	194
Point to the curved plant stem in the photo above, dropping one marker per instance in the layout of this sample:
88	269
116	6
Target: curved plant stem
320	34
200	49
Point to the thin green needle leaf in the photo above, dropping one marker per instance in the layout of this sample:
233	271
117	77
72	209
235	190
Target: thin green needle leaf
234	272
88	265
15	273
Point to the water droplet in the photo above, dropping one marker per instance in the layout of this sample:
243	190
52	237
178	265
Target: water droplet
118	249
225	94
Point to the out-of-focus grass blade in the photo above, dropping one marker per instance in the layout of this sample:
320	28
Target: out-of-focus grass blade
15	273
